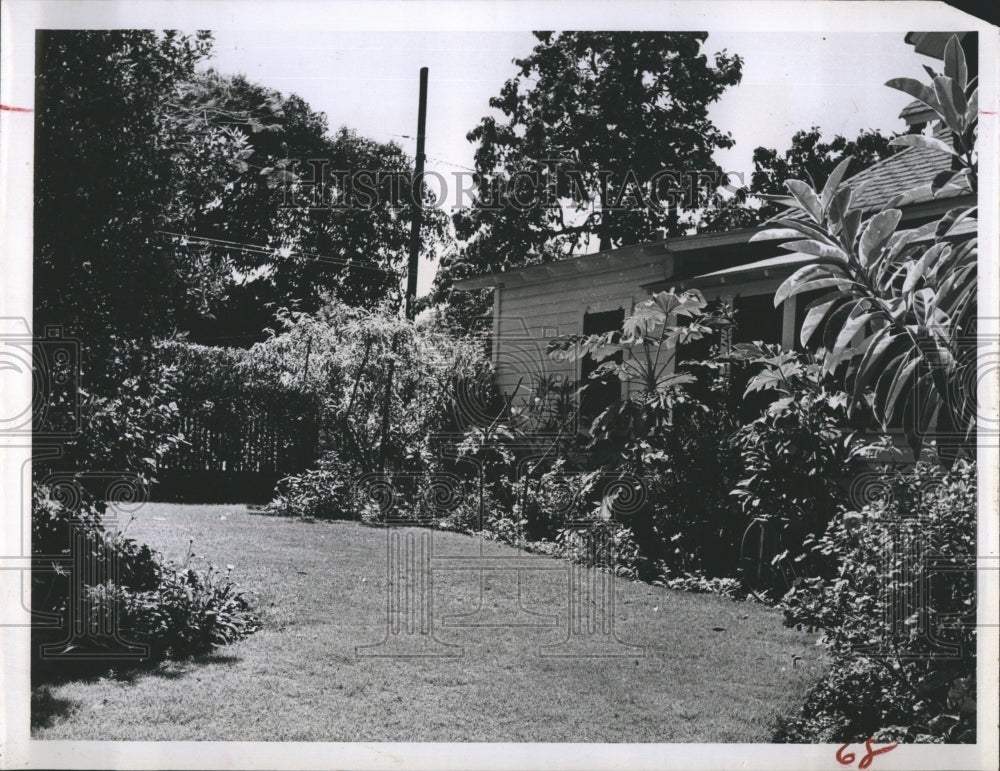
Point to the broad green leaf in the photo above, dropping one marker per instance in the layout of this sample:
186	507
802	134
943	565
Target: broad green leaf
804	228
814	316
817	248
833	326
952	111
972	110
886	376
954	62
877	233
850	231
851	327
941	179
917	269
833	182
807	197
904	378
916	89
870	366
951	219
774	234
840	205
792	285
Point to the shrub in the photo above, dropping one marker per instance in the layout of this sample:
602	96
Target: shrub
798	456
911	293
362	366
897	615
128	420
323	492
176	611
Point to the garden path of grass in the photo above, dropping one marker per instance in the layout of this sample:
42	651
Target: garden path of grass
713	670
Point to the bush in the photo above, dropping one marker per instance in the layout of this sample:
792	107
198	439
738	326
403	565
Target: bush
323	492
352	361
898	614
798	456
129	589
128	419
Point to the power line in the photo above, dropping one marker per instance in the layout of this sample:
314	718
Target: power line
273	252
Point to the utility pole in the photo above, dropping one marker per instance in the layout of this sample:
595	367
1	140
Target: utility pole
411	271
417	188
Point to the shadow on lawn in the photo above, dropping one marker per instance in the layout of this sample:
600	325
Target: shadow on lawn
124	671
45	707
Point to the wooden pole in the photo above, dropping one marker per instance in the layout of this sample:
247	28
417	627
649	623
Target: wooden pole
417	188
414	257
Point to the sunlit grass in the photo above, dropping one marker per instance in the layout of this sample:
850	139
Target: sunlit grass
711	670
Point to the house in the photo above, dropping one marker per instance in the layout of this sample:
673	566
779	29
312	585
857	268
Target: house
592	293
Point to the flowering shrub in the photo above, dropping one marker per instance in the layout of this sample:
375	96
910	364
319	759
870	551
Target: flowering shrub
898	614
385	390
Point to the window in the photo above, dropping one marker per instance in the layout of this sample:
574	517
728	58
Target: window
604	391
757	319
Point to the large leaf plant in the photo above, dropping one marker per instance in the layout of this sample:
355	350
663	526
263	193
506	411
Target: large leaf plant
897	313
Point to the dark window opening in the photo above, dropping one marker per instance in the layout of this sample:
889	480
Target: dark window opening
757	319
602	392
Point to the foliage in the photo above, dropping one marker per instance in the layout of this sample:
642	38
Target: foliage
671	430
911	294
587	124
352	360
897	614
322	492
320	207
130	426
809	157
797	457
703	584
174	610
644	354
114	166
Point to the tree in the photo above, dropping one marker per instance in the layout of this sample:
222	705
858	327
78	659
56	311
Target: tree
321	213
808	158
113	168
598	134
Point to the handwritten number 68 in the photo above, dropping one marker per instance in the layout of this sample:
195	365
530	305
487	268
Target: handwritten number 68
846	758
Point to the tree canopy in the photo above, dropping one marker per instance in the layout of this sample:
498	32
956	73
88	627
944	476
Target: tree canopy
169	198
595	138
808	158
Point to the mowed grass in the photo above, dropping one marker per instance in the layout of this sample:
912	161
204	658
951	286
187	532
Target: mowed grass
709	669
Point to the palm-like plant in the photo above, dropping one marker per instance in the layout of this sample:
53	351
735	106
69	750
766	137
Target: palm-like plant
900	305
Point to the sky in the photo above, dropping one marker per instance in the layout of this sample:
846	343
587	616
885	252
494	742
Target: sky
368	81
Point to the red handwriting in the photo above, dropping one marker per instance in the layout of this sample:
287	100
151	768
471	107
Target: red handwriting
846	758
9	108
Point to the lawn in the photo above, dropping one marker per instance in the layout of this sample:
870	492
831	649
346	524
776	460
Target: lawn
710	670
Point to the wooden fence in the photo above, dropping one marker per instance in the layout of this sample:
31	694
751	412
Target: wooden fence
232	459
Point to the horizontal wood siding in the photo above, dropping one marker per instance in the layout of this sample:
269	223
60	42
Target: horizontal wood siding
532	314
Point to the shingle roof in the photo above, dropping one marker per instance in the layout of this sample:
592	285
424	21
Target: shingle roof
914	167
916	107
908	172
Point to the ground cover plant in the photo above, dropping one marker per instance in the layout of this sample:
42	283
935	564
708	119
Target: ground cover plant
898	615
